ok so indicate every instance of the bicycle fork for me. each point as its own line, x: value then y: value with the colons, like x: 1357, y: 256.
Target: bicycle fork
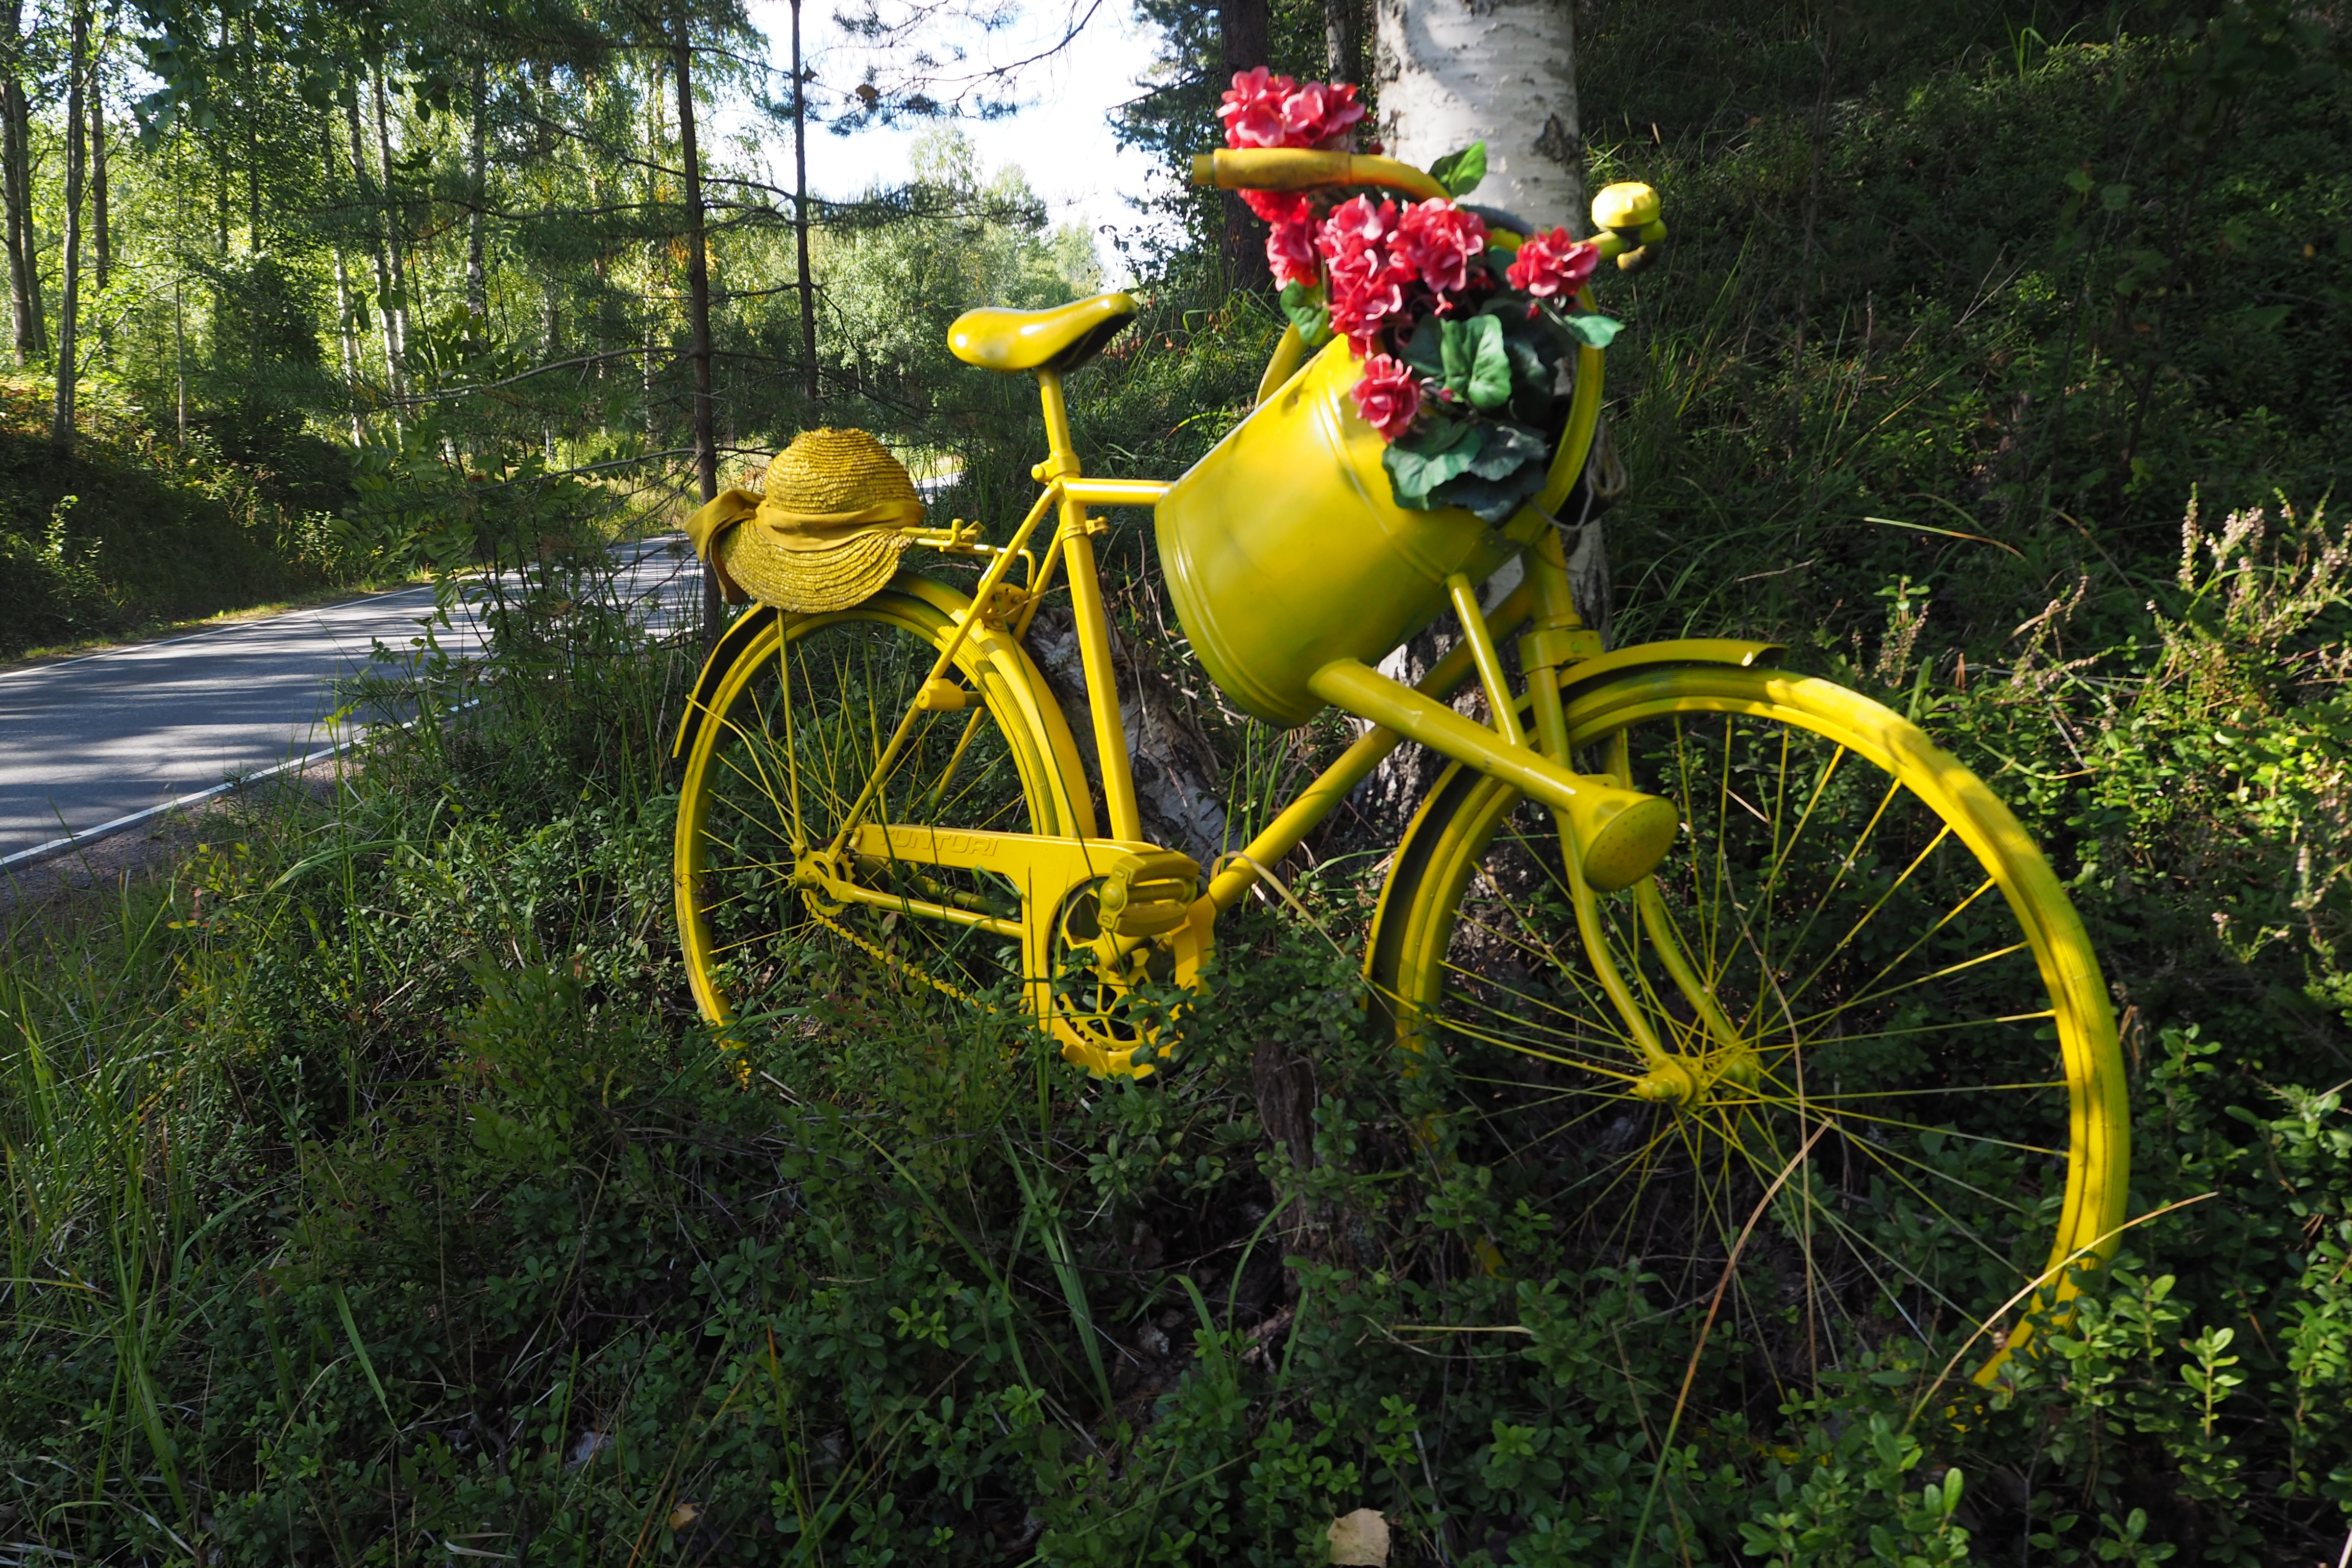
x: 1558, y: 637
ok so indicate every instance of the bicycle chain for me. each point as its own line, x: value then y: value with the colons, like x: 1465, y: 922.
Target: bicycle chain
x: 877, y: 954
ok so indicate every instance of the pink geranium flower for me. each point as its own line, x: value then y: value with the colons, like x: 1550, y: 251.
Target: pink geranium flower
x: 1251, y: 108
x: 1435, y: 240
x: 1356, y: 224
x: 1321, y: 114
x: 1280, y: 206
x: 1367, y: 293
x: 1388, y: 397
x: 1552, y: 265
x: 1290, y: 252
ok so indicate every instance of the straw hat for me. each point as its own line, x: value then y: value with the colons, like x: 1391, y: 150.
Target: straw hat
x: 828, y: 532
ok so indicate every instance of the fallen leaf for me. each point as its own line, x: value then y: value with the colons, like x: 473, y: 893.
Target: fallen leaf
x: 1361, y: 1538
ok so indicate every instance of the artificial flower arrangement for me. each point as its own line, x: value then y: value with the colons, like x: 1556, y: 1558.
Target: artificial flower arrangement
x: 1466, y: 338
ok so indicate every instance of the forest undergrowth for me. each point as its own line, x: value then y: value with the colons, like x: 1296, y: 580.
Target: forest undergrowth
x: 373, y: 1190
x: 374, y: 1194
x: 137, y: 527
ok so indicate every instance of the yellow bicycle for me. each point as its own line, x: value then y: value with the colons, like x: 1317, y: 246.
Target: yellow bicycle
x: 1738, y: 953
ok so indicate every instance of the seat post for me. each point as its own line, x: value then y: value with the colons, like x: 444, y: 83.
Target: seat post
x: 1093, y: 622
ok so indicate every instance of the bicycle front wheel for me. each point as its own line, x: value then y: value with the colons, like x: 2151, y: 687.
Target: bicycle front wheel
x: 1854, y: 1021
x: 790, y: 738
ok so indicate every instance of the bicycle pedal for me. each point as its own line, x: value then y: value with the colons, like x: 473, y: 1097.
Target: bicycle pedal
x: 1148, y: 892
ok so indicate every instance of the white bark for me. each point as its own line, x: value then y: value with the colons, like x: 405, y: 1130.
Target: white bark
x: 1452, y: 72
x: 1503, y: 72
x: 396, y: 314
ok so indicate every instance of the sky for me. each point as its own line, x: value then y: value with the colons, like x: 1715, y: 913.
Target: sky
x: 1062, y: 140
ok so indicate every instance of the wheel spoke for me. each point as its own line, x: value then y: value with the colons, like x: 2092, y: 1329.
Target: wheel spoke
x: 1884, y: 980
x: 802, y: 739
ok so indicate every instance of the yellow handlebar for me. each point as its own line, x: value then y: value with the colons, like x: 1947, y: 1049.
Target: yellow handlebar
x: 1304, y: 169
x: 1626, y: 215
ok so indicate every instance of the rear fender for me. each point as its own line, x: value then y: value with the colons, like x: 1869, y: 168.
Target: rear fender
x: 738, y: 636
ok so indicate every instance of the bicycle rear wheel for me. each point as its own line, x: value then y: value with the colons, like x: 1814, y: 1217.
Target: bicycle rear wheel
x: 790, y: 738
x: 1879, y: 974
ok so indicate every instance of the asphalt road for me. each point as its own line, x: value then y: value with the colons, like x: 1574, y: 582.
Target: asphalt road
x: 94, y: 744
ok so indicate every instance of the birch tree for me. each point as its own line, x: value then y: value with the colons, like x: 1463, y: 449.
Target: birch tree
x: 62, y: 413
x: 1503, y: 72
x: 1498, y: 71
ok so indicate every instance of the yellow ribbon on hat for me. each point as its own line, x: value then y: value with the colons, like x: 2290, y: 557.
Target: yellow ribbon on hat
x: 824, y: 530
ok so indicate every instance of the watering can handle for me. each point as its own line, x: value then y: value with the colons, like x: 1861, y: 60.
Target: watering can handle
x: 1307, y: 169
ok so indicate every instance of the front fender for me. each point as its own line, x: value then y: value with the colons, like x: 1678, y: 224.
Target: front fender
x: 1737, y: 651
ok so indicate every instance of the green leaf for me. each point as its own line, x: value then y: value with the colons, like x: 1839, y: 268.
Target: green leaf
x: 1440, y: 450
x: 1597, y: 330
x: 1490, y: 370
x: 1493, y: 501
x: 1304, y: 304
x: 1507, y: 449
x: 1511, y: 467
x: 1475, y: 366
x: 1425, y: 350
x: 1460, y: 173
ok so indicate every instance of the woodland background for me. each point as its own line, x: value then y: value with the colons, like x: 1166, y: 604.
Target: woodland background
x: 372, y: 1194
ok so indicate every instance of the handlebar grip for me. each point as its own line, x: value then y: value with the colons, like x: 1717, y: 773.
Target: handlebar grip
x: 1306, y: 169
x: 1626, y: 215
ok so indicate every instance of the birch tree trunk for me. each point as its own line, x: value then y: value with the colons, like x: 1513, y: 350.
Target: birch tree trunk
x: 1342, y: 43
x: 395, y: 305
x: 1498, y: 71
x: 252, y: 106
x: 17, y: 195
x: 800, y: 214
x: 347, y: 334
x: 364, y: 183
x: 656, y: 194
x: 61, y: 412
x: 1452, y: 72
x: 101, y: 240
x: 697, y: 319
x: 477, y: 298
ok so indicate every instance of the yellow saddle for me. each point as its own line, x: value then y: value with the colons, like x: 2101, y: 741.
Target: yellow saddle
x: 1061, y: 339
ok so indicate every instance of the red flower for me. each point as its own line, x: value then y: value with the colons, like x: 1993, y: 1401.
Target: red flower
x: 1436, y: 240
x: 1252, y: 110
x: 1354, y: 224
x: 1389, y: 396
x: 1280, y: 206
x: 1263, y: 109
x: 1367, y: 293
x: 1552, y: 264
x: 1321, y: 114
x: 1290, y: 252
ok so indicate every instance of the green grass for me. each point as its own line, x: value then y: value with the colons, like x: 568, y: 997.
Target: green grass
x: 372, y: 1189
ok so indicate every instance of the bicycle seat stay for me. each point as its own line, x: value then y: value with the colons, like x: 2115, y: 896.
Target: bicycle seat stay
x: 1060, y: 339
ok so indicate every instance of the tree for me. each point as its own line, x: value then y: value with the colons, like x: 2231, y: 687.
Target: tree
x: 62, y: 413
x: 1244, y: 36
x: 16, y: 189
x: 1503, y: 73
